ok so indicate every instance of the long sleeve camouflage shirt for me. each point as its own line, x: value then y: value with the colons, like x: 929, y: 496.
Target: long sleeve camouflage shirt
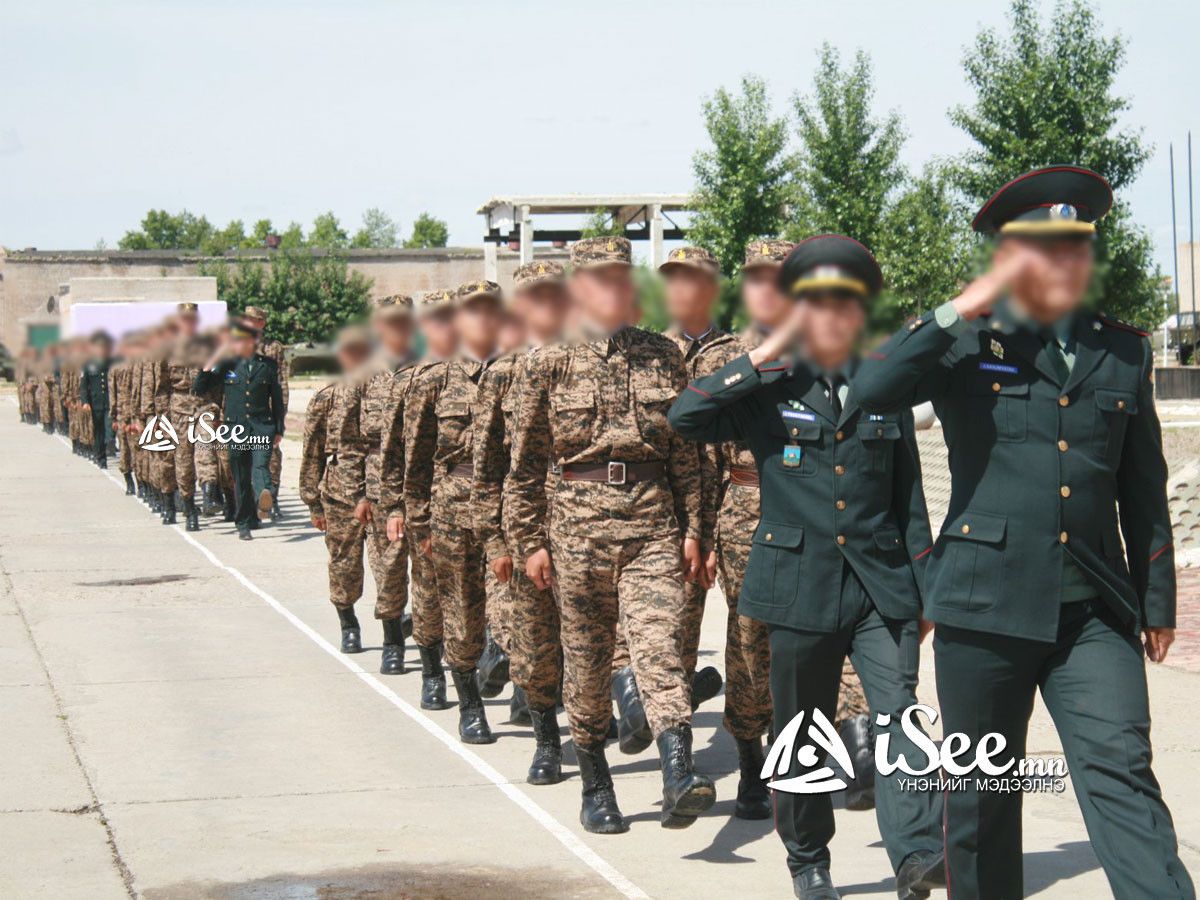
x: 361, y: 440
x: 597, y: 402
x: 275, y: 351
x: 392, y: 439
x: 321, y: 476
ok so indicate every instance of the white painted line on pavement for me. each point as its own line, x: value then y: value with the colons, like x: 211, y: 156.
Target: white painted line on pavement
x: 563, y: 834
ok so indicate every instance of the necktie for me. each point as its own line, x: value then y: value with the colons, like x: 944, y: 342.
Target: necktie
x: 832, y: 383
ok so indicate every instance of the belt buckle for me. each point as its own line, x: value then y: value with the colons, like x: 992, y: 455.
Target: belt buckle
x: 614, y: 467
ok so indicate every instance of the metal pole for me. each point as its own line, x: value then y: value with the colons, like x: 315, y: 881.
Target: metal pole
x: 1191, y: 236
x: 1175, y: 260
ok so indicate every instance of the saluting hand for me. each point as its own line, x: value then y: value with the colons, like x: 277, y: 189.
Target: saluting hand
x: 978, y: 298
x: 1158, y: 642
x: 537, y: 567
x: 782, y: 339
x: 395, y: 529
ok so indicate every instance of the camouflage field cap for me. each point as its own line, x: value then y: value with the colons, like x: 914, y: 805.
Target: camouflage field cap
x: 601, y: 251
x: 768, y: 252
x: 187, y: 309
x: 353, y: 337
x: 255, y: 312
x: 482, y: 288
x: 435, y: 301
x: 535, y: 273
x: 394, y: 306
x: 692, y: 258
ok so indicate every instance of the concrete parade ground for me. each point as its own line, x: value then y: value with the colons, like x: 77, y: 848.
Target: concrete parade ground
x: 177, y: 723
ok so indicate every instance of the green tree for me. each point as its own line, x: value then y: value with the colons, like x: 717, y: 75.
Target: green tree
x: 262, y: 230
x: 849, y: 162
x: 378, y: 230
x: 161, y: 230
x: 1045, y: 94
x: 428, y: 231
x: 328, y: 232
x: 602, y: 223
x: 292, y: 238
x: 743, y: 182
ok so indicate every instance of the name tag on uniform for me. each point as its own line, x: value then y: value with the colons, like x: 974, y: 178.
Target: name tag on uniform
x: 791, y: 455
x: 793, y: 414
x: 999, y: 367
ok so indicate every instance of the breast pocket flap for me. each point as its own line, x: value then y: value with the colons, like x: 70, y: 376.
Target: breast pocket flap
x: 773, y: 534
x: 562, y: 401
x: 878, y: 431
x: 986, y: 528
x: 1111, y: 401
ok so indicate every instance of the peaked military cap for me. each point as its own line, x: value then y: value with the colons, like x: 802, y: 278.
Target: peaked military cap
x: 482, y: 288
x: 601, y: 251
x: 767, y: 252
x: 394, y: 306
x: 187, y: 309
x: 830, y: 262
x: 692, y: 258
x: 1057, y: 201
x: 534, y: 273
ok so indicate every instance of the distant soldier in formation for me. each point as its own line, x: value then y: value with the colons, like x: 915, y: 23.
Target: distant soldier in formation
x: 540, y: 305
x: 155, y: 400
x: 120, y: 405
x: 256, y: 318
x: 93, y: 394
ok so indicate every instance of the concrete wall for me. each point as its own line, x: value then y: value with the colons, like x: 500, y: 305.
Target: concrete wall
x: 29, y: 278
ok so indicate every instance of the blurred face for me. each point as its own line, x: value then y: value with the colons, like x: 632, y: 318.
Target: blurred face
x: 1056, y: 282
x: 765, y: 304
x: 542, y: 308
x: 478, y: 322
x: 511, y: 335
x: 605, y: 295
x: 689, y: 296
x: 188, y: 325
x: 255, y: 323
x: 352, y: 356
x: 100, y: 349
x: 833, y: 322
x: 438, y: 331
x: 395, y: 333
x: 242, y: 346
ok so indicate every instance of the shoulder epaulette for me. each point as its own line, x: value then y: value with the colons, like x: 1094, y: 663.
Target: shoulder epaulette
x: 1124, y: 326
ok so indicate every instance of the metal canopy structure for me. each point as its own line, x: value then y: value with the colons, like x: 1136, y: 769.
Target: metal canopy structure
x: 644, y: 217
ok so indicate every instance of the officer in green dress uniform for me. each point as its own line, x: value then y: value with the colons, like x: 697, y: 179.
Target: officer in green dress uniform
x: 254, y: 412
x: 836, y: 565
x: 1056, y: 550
x: 93, y: 393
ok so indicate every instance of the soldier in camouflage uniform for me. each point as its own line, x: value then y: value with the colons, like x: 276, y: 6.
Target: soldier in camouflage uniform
x: 438, y: 423
x: 154, y: 402
x: 175, y: 397
x: 618, y: 527
x: 325, y: 491
x: 539, y: 302
x: 256, y: 318
x: 435, y: 319
x: 47, y: 383
x: 141, y: 456
x: 120, y: 405
x: 360, y: 461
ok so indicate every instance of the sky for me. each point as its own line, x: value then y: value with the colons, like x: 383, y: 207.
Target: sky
x: 252, y: 109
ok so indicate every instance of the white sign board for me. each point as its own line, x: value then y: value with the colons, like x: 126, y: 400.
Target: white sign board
x: 119, y: 317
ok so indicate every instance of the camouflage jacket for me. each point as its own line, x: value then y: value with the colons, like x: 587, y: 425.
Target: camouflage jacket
x: 178, y: 368
x: 120, y: 391
x: 153, y: 372
x: 736, y: 507
x: 438, y: 437
x: 597, y: 402
x: 361, y: 439
x: 321, y: 479
x: 275, y: 351
x: 392, y: 439
x: 495, y: 424
x: 710, y: 485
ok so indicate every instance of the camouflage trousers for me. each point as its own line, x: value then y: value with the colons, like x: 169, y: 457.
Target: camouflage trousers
x: 747, y: 651
x: 180, y: 473
x: 276, y: 467
x: 428, y: 625
x: 689, y: 635
x: 389, y: 567
x: 345, y: 539
x: 466, y: 587
x: 126, y: 445
x: 212, y: 466
x: 638, y: 582
x: 535, y: 641
x: 45, y: 404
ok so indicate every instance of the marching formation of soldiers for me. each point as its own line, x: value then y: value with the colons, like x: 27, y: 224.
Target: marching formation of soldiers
x: 557, y: 490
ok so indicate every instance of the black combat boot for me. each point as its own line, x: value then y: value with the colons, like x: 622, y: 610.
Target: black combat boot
x: 518, y: 707
x: 633, y: 731
x: 406, y: 625
x: 814, y: 884
x: 351, y: 633
x: 393, y: 648
x: 753, y: 798
x: 244, y: 534
x: 168, y: 513
x: 706, y: 684
x: 685, y: 794
x: 600, y: 814
x: 856, y: 735
x: 433, y: 679
x: 472, y: 720
x: 191, y: 515
x: 546, y: 767
x: 230, y: 507
x: 211, y: 495
x: 920, y: 873
x: 493, y: 670
x: 130, y: 489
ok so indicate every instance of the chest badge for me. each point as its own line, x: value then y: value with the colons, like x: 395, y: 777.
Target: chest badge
x: 795, y: 404
x: 792, y: 455
x: 997, y: 349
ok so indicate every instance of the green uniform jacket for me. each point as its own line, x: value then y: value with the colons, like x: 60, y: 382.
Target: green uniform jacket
x: 253, y: 396
x: 93, y: 385
x: 855, y: 495
x: 1041, y: 468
